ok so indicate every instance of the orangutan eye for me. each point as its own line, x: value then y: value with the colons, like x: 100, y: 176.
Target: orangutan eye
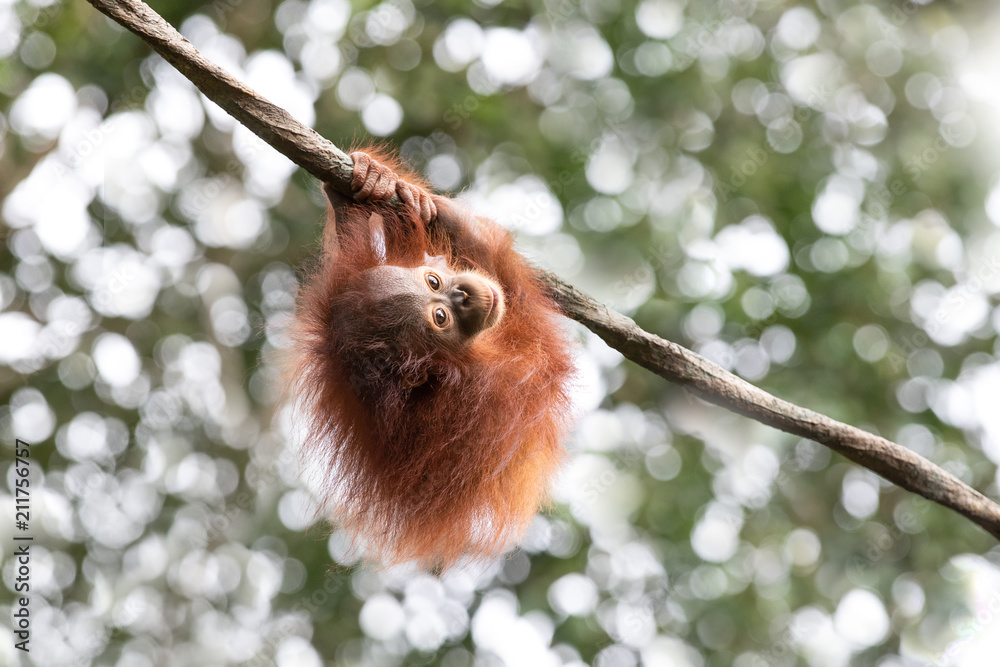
x: 434, y: 282
x: 440, y: 317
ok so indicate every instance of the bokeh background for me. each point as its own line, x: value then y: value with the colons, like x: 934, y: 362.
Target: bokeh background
x: 806, y: 194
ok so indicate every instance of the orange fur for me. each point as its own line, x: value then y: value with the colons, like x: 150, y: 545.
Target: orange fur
x: 457, y: 466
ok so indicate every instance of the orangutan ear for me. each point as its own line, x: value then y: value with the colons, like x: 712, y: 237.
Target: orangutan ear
x: 343, y: 212
x: 414, y: 379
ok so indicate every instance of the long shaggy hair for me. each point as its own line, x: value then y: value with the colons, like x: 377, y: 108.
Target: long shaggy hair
x: 430, y: 454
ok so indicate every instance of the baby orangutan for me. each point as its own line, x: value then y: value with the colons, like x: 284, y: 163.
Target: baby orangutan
x: 433, y: 371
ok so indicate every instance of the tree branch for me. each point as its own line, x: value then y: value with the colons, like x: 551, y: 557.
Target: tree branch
x: 306, y: 148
